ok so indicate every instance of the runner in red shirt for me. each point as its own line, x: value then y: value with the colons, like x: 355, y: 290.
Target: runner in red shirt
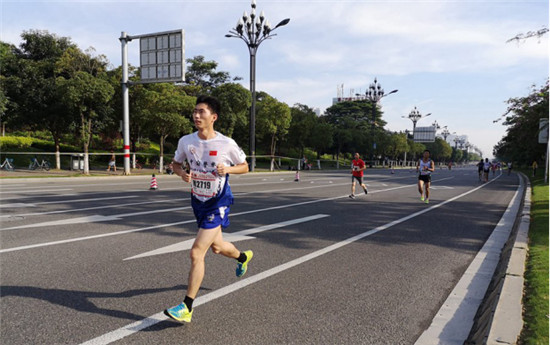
x: 357, y: 167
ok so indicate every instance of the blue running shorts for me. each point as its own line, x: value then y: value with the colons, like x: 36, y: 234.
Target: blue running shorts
x: 212, y: 218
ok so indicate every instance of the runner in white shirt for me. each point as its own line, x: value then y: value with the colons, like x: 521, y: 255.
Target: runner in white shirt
x: 425, y: 166
x: 209, y: 158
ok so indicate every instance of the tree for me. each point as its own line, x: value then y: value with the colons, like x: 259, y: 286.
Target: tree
x: 235, y: 101
x: 168, y: 112
x: 273, y: 120
x: 201, y: 76
x: 88, y: 97
x: 440, y: 150
x: 354, y: 126
x: 520, y: 144
x: 29, y: 82
x: 396, y: 145
x: 301, y: 127
x: 321, y: 137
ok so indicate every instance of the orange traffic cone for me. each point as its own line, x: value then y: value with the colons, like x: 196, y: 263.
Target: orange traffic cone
x: 154, y: 185
x: 297, y: 177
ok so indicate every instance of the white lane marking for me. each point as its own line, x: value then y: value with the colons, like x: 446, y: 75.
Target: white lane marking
x: 441, y: 187
x: 230, y: 237
x: 137, y: 326
x: 285, y: 189
x: 454, y: 320
x: 123, y: 232
x: 100, y: 184
x: 94, y: 218
x: 34, y: 197
x: 16, y: 205
x: 84, y: 209
x: 83, y: 200
x: 36, y: 191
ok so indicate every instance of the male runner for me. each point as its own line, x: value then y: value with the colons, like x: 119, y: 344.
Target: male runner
x: 480, y: 169
x: 425, y: 166
x: 486, y: 169
x: 357, y: 167
x: 210, y: 157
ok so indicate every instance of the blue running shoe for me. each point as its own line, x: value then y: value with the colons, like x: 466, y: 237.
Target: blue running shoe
x: 179, y: 313
x: 242, y: 267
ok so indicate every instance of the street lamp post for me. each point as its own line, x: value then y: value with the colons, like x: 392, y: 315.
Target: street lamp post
x: 415, y: 116
x: 374, y: 94
x: 445, y: 133
x: 253, y: 30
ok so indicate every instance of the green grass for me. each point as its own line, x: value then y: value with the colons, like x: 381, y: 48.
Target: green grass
x: 535, y: 331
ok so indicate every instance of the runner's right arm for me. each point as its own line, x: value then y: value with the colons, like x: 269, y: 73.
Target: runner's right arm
x: 178, y: 170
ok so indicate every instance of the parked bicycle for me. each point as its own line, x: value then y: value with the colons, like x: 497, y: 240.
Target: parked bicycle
x: 8, y: 164
x: 44, y: 165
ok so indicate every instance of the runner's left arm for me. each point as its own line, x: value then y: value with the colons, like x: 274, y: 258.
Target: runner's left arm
x: 235, y: 170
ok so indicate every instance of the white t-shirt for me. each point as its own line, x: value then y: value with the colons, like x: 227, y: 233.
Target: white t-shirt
x: 203, y: 157
x: 426, y: 165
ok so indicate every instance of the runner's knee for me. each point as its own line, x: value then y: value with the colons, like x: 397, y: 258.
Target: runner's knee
x: 196, y: 254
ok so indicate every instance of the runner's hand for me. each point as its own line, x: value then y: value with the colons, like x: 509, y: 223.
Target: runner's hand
x: 178, y: 170
x: 222, y: 169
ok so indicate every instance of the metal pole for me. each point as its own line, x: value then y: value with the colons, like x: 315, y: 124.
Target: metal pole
x: 546, y: 168
x: 125, y: 103
x: 373, y: 134
x: 253, y: 108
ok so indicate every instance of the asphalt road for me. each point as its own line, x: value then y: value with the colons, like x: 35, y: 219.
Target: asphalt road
x: 83, y: 258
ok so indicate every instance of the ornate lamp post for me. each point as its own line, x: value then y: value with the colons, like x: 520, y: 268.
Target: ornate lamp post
x: 445, y: 133
x: 415, y: 116
x: 253, y: 30
x: 374, y: 94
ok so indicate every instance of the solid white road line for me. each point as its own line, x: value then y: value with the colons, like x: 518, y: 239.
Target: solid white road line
x: 67, y: 201
x: 36, y: 191
x: 230, y: 237
x: 84, y: 209
x: 94, y: 218
x: 159, y: 317
x: 191, y: 221
x: 454, y: 320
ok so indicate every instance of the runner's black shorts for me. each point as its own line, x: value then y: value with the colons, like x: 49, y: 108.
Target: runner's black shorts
x: 425, y: 178
x: 358, y: 178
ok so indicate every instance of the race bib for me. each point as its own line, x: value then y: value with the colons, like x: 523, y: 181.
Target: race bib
x: 204, y: 184
x: 425, y: 172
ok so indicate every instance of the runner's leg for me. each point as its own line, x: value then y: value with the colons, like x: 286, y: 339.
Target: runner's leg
x: 421, y: 187
x: 205, y: 238
x: 427, y: 186
x: 219, y: 246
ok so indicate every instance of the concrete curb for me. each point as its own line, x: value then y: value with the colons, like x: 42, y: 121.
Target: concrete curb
x: 508, y: 317
x: 456, y: 317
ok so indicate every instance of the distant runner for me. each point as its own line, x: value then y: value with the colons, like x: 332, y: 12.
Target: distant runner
x: 486, y: 169
x: 210, y: 157
x: 425, y: 166
x: 480, y: 169
x: 357, y: 167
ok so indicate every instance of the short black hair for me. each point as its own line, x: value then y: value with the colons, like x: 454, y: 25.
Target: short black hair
x: 427, y: 151
x: 211, y: 102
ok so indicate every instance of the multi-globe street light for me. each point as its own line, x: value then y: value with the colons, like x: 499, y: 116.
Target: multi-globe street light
x: 374, y: 94
x: 415, y: 116
x: 445, y: 133
x: 253, y: 30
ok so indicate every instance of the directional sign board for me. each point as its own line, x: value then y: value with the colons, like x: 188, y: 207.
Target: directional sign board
x: 162, y: 57
x: 424, y: 134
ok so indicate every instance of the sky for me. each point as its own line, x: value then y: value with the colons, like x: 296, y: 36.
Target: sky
x: 447, y: 58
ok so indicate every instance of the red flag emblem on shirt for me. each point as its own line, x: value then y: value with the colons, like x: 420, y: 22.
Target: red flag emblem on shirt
x: 213, y: 153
